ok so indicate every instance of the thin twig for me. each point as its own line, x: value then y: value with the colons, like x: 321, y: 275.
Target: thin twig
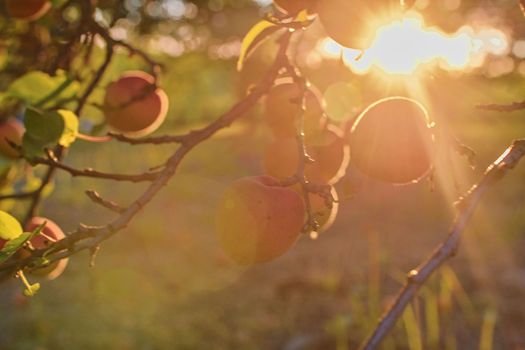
x: 88, y: 172
x: 155, y: 140
x: 96, y: 198
x: 515, y: 106
x: 466, y: 206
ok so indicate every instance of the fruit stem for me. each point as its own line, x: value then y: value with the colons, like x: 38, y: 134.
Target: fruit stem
x: 91, y: 138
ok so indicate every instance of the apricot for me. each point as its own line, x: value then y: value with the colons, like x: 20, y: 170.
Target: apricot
x: 11, y: 130
x: 295, y: 6
x: 392, y: 141
x: 328, y: 149
x: 282, y: 109
x: 41, y: 241
x: 353, y: 23
x: 134, y: 105
x: 27, y: 10
x: 258, y: 220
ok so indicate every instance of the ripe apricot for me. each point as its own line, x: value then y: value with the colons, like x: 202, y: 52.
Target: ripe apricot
x: 50, y: 231
x: 258, y: 220
x: 134, y: 105
x: 328, y: 149
x: 283, y: 106
x: 353, y: 23
x: 294, y: 6
x: 28, y: 10
x: 11, y: 130
x: 392, y: 141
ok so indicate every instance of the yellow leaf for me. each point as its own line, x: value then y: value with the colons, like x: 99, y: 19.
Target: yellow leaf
x: 250, y: 40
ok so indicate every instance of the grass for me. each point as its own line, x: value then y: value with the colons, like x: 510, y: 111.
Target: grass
x: 164, y: 283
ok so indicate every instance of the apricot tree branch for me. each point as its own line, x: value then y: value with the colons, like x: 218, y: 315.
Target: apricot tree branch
x: 88, y: 172
x: 96, y: 198
x: 86, y: 238
x: 447, y: 249
x: 515, y: 106
x: 154, y: 140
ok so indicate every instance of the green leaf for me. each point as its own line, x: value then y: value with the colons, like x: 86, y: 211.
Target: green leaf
x: 38, y: 88
x: 31, y: 147
x: 48, y: 129
x: 12, y: 246
x: 253, y: 38
x: 10, y: 228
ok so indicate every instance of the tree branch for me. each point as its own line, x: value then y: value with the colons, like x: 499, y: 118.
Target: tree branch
x: 515, y: 106
x: 466, y: 206
x: 86, y: 238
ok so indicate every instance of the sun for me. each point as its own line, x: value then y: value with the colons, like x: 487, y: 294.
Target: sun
x: 407, y: 46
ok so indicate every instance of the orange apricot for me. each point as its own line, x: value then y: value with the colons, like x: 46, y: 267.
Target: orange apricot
x: 134, y: 105
x: 392, y: 141
x: 353, y: 23
x: 258, y: 220
x: 295, y: 6
x: 11, y: 130
x: 328, y: 149
x: 283, y: 106
x: 27, y: 10
x: 51, y: 232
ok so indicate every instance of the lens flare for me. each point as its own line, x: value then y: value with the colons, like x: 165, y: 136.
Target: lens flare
x: 405, y: 46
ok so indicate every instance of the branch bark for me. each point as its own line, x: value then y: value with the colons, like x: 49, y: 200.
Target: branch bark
x: 447, y: 249
x: 86, y: 238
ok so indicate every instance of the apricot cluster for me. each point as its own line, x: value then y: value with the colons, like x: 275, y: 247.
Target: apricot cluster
x: 325, y: 143
x: 134, y: 105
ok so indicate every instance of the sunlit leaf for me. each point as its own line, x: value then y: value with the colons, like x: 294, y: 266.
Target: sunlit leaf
x: 254, y: 37
x: 70, y: 131
x: 10, y: 228
x: 38, y: 88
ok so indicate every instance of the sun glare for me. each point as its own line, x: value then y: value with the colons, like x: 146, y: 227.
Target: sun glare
x: 405, y: 46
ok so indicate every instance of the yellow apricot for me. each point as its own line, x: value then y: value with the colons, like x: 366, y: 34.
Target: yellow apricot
x: 258, y: 220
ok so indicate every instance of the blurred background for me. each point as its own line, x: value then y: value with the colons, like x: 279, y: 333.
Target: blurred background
x: 164, y: 282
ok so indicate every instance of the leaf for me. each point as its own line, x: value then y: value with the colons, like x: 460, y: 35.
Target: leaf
x: 38, y: 88
x: 10, y: 228
x: 47, y: 129
x: 70, y: 131
x: 253, y: 38
x: 12, y: 246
